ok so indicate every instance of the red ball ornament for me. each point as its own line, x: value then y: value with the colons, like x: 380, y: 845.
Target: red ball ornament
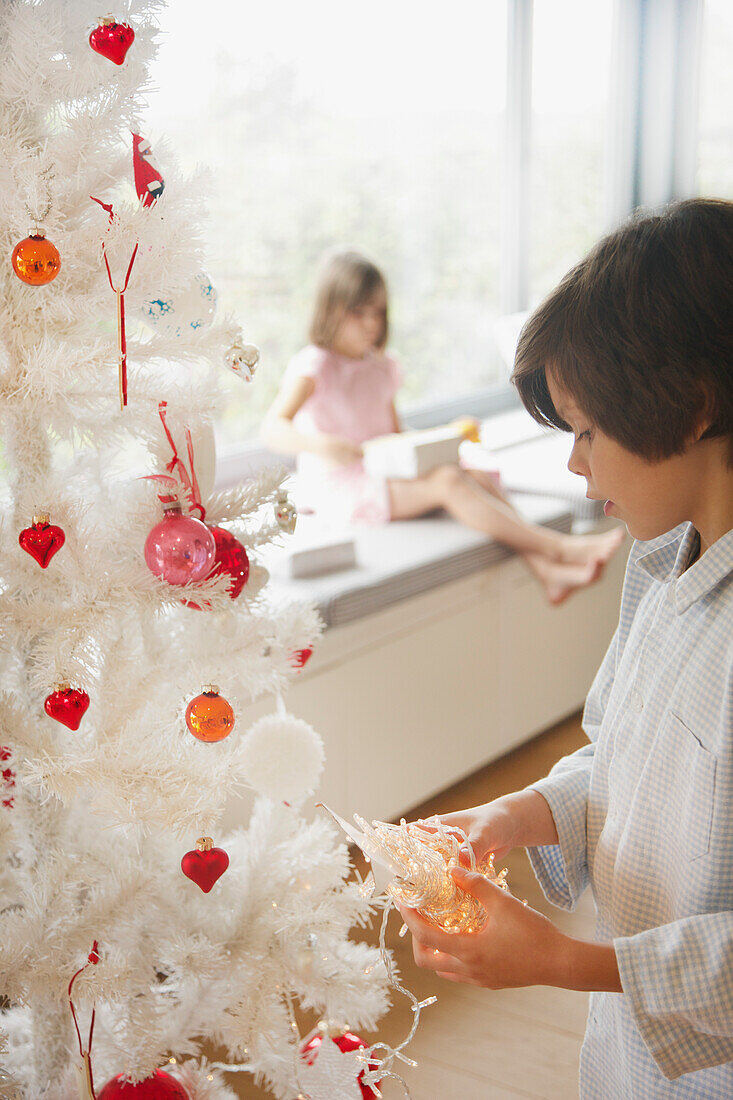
x: 180, y: 549
x: 299, y: 657
x: 205, y: 865
x: 67, y: 705
x: 112, y: 39
x: 209, y: 717
x: 42, y: 540
x: 35, y: 260
x: 231, y: 558
x: 347, y: 1042
x: 161, y: 1086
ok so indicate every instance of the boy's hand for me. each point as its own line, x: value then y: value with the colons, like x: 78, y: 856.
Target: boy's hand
x: 489, y: 828
x: 339, y: 451
x: 515, y: 820
x: 517, y: 946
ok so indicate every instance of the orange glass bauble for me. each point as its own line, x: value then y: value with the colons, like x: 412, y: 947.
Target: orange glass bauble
x: 35, y: 260
x: 209, y: 717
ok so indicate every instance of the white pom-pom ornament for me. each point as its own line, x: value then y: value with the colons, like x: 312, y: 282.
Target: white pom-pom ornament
x: 282, y: 757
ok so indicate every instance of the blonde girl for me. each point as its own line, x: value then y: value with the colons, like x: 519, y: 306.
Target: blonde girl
x: 339, y: 391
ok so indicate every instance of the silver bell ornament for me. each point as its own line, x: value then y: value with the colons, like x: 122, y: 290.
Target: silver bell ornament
x: 286, y: 513
x: 243, y: 360
x: 307, y: 956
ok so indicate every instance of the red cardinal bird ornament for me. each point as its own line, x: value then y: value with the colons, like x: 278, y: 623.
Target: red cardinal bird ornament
x: 149, y: 183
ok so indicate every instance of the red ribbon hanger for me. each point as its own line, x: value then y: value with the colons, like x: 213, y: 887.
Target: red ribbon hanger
x: 120, y: 292
x: 92, y: 959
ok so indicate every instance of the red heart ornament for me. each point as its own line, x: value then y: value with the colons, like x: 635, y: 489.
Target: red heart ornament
x: 67, y: 705
x: 206, y: 864
x: 112, y: 40
x: 299, y: 656
x: 42, y: 540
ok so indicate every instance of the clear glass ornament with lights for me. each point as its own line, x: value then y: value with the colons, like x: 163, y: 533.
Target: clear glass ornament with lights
x: 418, y: 858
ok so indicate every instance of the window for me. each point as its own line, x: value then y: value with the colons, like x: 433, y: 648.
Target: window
x: 378, y: 127
x: 715, y: 142
x: 475, y: 153
x: 571, y: 82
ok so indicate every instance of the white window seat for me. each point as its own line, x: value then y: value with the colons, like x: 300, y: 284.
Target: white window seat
x: 401, y: 560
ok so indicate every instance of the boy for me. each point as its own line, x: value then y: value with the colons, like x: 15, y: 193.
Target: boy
x: 633, y: 353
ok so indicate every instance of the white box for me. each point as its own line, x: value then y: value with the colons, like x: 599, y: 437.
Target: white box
x: 411, y: 454
x: 312, y: 550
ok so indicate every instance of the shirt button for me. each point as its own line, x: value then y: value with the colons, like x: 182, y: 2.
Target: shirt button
x: 636, y: 701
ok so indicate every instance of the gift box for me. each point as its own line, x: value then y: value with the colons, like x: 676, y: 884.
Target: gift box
x: 412, y: 454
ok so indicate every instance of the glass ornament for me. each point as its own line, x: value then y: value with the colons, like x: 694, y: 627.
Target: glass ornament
x: 243, y: 360
x: 286, y: 513
x: 161, y: 1086
x: 9, y: 1087
x: 67, y: 705
x: 41, y: 540
x: 231, y: 558
x: 210, y: 717
x: 299, y: 657
x: 35, y: 260
x: 112, y: 39
x: 205, y: 864
x: 180, y: 549
x: 191, y: 309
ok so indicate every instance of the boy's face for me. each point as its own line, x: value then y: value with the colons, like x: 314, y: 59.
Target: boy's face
x: 650, y: 497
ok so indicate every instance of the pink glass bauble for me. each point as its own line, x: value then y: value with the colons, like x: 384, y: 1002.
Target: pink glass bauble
x: 158, y: 1087
x: 180, y: 549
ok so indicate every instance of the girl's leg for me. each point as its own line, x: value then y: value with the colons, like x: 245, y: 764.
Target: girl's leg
x: 570, y: 549
x: 461, y: 495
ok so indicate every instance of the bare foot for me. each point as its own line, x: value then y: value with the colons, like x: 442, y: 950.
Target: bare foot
x: 583, y: 549
x: 560, y: 579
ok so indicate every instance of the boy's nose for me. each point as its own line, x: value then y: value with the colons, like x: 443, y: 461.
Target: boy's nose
x: 575, y: 465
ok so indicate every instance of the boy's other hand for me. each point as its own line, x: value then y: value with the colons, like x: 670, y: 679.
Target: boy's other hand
x: 512, y: 821
x: 339, y: 451
x: 488, y: 828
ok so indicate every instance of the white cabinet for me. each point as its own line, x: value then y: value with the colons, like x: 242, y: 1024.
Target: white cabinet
x: 416, y: 696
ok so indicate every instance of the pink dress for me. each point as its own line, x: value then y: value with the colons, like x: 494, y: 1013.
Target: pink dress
x: 351, y: 398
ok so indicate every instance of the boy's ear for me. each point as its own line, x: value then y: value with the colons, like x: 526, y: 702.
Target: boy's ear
x: 705, y: 416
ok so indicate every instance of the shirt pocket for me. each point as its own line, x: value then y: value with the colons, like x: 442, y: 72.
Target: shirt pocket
x: 687, y: 814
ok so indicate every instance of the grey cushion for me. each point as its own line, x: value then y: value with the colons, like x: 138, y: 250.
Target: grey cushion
x: 403, y: 559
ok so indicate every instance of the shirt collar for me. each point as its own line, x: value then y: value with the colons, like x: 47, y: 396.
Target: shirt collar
x: 668, y: 557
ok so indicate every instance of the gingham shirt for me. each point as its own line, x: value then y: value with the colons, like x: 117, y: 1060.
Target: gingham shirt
x: 644, y: 814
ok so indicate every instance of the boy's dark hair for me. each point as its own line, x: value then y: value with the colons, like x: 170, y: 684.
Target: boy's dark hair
x: 640, y: 332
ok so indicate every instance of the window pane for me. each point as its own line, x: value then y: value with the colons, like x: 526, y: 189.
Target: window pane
x: 325, y: 124
x: 571, y: 83
x: 715, y: 149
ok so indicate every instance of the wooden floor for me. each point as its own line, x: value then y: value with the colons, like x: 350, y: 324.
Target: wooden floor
x: 478, y: 1044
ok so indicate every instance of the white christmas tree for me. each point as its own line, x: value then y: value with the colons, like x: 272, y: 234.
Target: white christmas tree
x: 115, y: 677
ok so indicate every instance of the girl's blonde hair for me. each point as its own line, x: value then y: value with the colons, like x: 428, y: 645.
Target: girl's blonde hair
x: 347, y: 281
